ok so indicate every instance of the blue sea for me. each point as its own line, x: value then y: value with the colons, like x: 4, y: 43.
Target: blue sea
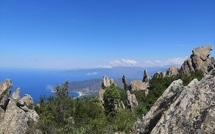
x: 40, y: 82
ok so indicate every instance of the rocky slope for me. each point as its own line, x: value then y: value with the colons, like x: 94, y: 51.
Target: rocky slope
x: 182, y: 109
x: 15, y: 113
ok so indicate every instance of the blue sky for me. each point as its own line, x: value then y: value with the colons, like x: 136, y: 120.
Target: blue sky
x: 66, y: 34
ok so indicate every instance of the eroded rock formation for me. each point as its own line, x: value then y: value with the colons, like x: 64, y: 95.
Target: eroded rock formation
x: 199, y: 60
x: 18, y: 111
x: 182, y: 109
x: 131, y: 100
x: 172, y: 71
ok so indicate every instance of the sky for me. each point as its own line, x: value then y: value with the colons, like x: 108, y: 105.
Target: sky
x: 71, y: 34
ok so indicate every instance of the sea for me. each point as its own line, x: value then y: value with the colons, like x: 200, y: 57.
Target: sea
x: 38, y: 83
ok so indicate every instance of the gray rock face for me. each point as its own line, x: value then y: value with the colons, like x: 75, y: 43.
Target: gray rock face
x: 193, y: 111
x: 14, y: 119
x: 5, y: 90
x: 182, y: 109
x: 131, y: 100
x: 156, y: 111
x: 172, y: 71
x: 199, y: 60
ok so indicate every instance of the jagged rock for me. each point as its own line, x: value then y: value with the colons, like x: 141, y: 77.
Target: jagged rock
x: 15, y: 120
x: 146, y: 76
x: 161, y: 105
x: 16, y: 94
x: 27, y: 100
x: 105, y: 82
x: 131, y: 100
x: 172, y: 71
x: 15, y: 117
x: 124, y: 82
x: 199, y: 60
x: 5, y: 90
x: 202, y: 52
x: 193, y: 111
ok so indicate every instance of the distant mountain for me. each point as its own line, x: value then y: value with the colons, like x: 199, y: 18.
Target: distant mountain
x: 115, y: 72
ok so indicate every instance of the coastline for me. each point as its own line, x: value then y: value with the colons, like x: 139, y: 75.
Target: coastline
x: 80, y: 93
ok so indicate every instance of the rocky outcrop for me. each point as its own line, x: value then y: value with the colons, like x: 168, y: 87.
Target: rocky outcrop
x: 5, y: 90
x: 18, y: 113
x: 193, y: 111
x: 161, y: 105
x: 138, y: 85
x: 105, y: 82
x: 172, y: 71
x: 146, y: 76
x: 199, y: 60
x: 131, y: 100
x: 124, y: 82
x: 182, y: 109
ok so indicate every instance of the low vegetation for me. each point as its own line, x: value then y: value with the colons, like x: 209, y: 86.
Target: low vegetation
x: 62, y: 114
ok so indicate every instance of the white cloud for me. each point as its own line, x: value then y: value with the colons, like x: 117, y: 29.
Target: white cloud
x: 168, y: 62
x: 124, y: 62
x: 92, y: 73
x: 148, y: 63
x: 104, y: 66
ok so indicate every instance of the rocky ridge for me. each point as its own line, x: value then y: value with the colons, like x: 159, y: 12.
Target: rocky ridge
x: 184, y: 109
x: 15, y: 112
x: 199, y: 60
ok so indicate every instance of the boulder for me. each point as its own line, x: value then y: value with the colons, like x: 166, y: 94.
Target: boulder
x: 202, y: 52
x: 27, y: 100
x: 172, y: 71
x: 199, y: 60
x: 5, y: 90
